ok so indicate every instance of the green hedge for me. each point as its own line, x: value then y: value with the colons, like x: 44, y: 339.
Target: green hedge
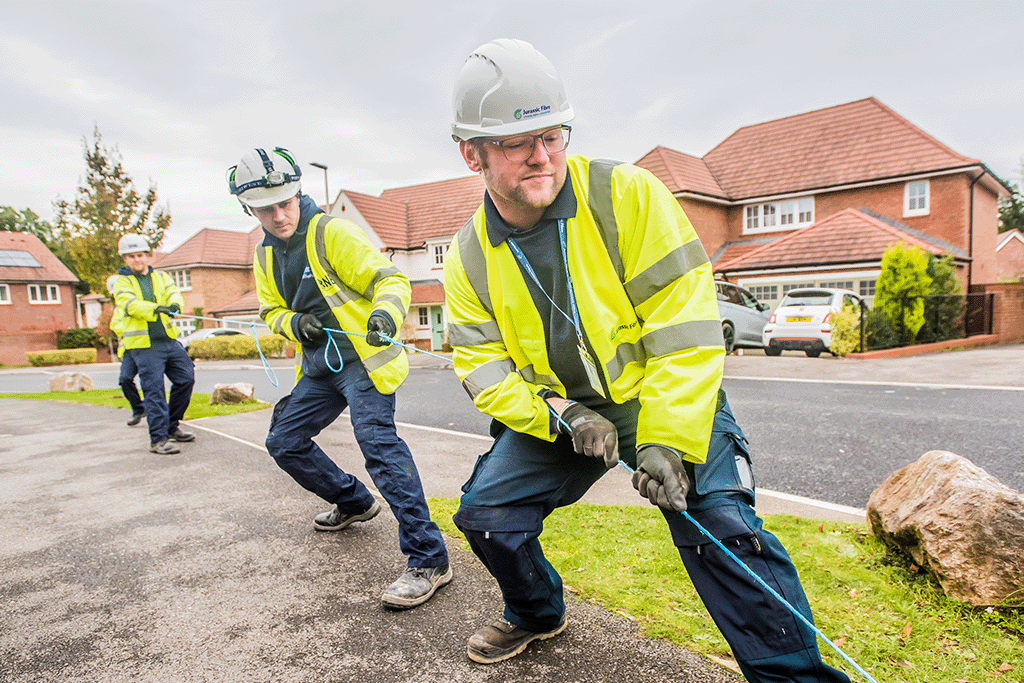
x: 237, y: 347
x: 62, y: 357
x: 80, y: 338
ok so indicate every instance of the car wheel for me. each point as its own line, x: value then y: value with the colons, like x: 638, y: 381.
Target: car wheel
x: 772, y: 351
x: 729, y: 333
x: 813, y: 353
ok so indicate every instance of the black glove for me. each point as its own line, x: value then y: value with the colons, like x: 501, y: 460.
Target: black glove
x: 661, y: 478
x: 166, y: 310
x: 591, y: 434
x: 175, y: 309
x: 379, y: 324
x: 311, y: 331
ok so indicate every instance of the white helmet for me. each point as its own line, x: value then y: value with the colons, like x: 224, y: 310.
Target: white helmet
x: 507, y: 87
x: 262, y: 179
x: 131, y: 243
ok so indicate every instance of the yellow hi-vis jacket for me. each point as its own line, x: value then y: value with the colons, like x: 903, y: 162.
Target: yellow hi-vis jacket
x: 138, y: 312
x: 647, y: 305
x: 356, y: 280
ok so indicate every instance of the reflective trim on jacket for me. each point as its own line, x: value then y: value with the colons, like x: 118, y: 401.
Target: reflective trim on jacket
x: 646, y: 300
x: 355, y: 279
x: 138, y: 312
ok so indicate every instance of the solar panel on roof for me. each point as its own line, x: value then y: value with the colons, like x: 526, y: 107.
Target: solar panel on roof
x: 13, y: 257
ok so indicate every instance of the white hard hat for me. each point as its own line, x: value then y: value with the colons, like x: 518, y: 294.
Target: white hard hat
x: 507, y: 87
x: 131, y: 244
x: 261, y: 178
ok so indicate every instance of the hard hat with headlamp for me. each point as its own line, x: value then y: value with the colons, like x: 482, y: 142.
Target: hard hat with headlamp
x: 132, y: 244
x: 263, y: 178
x: 507, y: 87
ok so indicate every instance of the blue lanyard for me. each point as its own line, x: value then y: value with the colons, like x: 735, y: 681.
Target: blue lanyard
x: 521, y: 257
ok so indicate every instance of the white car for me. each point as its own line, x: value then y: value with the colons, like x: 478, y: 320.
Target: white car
x: 206, y: 333
x: 803, y: 320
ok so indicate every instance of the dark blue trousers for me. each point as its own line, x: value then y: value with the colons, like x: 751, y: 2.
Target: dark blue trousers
x: 127, y: 382
x: 316, y: 403
x: 522, y: 479
x: 164, y: 357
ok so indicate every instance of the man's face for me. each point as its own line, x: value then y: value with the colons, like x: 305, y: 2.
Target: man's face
x: 521, y: 190
x: 137, y: 261
x: 281, y: 219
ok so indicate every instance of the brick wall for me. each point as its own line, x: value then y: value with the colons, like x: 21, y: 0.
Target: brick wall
x: 710, y: 221
x: 1008, y: 313
x: 33, y: 327
x: 1010, y: 260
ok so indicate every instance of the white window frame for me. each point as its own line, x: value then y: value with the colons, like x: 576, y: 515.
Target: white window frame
x: 5, y: 295
x: 182, y: 279
x: 51, y: 292
x: 785, y: 214
x: 423, y: 316
x: 439, y: 252
x: 917, y: 200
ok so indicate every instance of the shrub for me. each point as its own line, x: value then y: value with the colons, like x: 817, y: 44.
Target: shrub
x: 878, y: 332
x: 237, y: 347
x: 80, y: 338
x: 900, y: 289
x: 61, y: 357
x: 845, y: 331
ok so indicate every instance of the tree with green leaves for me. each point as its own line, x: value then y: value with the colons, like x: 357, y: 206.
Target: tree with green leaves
x: 902, y: 285
x: 1011, y: 209
x: 26, y: 220
x: 106, y: 206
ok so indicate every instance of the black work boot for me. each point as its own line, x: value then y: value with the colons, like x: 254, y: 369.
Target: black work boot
x: 503, y: 640
x: 415, y: 586
x: 336, y: 520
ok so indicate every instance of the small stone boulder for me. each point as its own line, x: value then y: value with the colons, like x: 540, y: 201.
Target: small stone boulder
x: 71, y: 381
x: 238, y: 392
x: 956, y: 521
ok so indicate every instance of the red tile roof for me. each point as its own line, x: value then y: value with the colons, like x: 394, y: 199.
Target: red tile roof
x: 438, y: 209
x: 681, y: 172
x: 50, y: 267
x: 427, y: 292
x: 247, y: 303
x: 847, y: 143
x: 213, y: 247
x: 387, y: 218
x: 850, y: 236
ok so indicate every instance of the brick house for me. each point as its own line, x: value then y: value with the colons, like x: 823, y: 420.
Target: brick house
x: 37, y: 297
x: 1010, y: 257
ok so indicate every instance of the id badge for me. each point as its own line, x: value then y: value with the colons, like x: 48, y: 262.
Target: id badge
x: 591, y: 368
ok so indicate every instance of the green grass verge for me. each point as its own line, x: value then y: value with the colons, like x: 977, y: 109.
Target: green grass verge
x: 892, y: 620
x: 113, y: 398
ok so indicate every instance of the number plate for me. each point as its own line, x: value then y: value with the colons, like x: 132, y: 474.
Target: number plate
x: 798, y: 319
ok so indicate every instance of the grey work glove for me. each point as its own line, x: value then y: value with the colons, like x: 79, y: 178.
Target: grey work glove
x: 311, y: 331
x: 166, y: 310
x: 661, y: 478
x: 378, y: 325
x: 591, y: 434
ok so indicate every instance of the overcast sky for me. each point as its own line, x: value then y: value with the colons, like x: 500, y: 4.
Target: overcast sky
x: 183, y: 89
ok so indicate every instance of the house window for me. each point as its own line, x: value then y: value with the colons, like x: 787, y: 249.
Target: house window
x: 424, y: 316
x: 182, y: 278
x: 784, y: 215
x: 5, y: 294
x: 765, y: 292
x: 867, y: 287
x: 845, y: 284
x: 915, y: 198
x: 43, y: 294
x: 439, y: 251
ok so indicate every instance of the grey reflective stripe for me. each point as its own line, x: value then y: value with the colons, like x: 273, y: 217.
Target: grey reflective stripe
x: 261, y: 257
x: 666, y: 271
x: 382, y: 358
x: 344, y: 294
x: 599, y: 199
x: 137, y: 333
x: 474, y: 265
x: 624, y: 354
x: 393, y: 300
x: 471, y: 335
x: 341, y: 297
x: 683, y: 336
x: 487, y: 375
x: 377, y: 277
x: 532, y: 377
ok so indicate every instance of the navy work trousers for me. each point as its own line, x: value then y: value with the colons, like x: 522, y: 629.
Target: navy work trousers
x: 316, y: 403
x: 164, y: 357
x: 523, y: 479
x: 127, y: 382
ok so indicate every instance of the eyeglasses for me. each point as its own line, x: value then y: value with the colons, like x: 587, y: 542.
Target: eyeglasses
x: 520, y: 147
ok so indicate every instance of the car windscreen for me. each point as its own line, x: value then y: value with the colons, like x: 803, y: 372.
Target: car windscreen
x: 808, y: 298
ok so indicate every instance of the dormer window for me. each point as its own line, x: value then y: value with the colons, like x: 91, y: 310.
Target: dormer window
x: 785, y: 215
x: 915, y: 198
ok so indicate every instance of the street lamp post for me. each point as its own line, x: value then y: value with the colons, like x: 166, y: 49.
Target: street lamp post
x: 327, y: 194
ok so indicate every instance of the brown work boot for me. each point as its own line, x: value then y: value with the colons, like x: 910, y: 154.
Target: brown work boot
x: 503, y: 640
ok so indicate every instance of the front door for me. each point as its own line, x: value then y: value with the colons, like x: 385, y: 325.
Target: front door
x: 436, y: 328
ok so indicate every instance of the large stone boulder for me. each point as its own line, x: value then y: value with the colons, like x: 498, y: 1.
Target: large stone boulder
x: 238, y: 392
x: 71, y: 381
x: 957, y: 522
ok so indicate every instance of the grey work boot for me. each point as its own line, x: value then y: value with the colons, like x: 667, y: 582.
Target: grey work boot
x: 163, y: 448
x: 503, y: 640
x: 136, y: 418
x: 415, y: 586
x: 336, y: 520
x: 179, y: 435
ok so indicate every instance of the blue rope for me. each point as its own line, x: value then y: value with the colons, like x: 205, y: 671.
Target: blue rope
x: 388, y: 339
x: 771, y: 591
x: 267, y: 370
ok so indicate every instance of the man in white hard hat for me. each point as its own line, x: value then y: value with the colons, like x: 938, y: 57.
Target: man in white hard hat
x: 584, y: 321
x: 148, y: 299
x: 126, y: 378
x: 315, y: 272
